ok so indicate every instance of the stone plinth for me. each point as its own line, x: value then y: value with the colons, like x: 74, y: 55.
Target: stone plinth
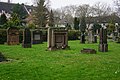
x: 57, y: 38
x: 88, y: 51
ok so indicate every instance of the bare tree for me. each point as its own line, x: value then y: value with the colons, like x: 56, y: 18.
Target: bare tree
x: 82, y: 10
x: 65, y: 14
x: 71, y: 10
x: 101, y: 9
x: 117, y: 3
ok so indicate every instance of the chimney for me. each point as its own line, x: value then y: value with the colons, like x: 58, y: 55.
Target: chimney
x: 8, y: 1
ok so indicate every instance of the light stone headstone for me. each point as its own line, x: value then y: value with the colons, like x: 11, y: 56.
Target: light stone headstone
x: 13, y: 36
x: 57, y: 38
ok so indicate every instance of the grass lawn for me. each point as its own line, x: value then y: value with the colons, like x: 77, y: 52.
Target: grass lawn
x: 38, y: 64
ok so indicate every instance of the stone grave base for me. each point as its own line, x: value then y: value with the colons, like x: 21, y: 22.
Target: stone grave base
x: 13, y: 43
x: 103, y: 47
x: 88, y: 51
x: 26, y: 45
x: 37, y: 42
x: 58, y: 48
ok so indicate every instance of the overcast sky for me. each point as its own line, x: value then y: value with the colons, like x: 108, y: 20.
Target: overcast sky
x: 61, y: 3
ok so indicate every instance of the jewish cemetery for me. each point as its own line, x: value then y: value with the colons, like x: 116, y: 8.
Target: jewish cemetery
x: 52, y: 40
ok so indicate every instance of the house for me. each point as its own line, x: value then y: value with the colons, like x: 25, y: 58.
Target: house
x: 103, y: 20
x: 6, y: 7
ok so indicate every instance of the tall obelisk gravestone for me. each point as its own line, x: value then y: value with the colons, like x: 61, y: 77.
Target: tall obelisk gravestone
x: 103, y: 46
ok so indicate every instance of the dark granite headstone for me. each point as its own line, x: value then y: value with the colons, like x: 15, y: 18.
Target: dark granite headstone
x: 103, y: 46
x: 27, y: 38
x: 12, y: 36
x: 37, y: 37
x: 95, y: 38
x: 82, y: 38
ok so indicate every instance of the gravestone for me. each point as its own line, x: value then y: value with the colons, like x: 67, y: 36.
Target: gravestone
x: 95, y: 38
x: 26, y: 38
x: 37, y: 37
x: 57, y: 38
x: 92, y: 38
x: 118, y: 36
x: 103, y: 46
x: 114, y: 36
x: 82, y: 38
x: 12, y: 36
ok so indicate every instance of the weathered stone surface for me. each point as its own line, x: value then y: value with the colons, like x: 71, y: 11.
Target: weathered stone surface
x: 12, y: 36
x: 103, y: 46
x: 88, y: 51
x: 92, y: 38
x: 57, y: 38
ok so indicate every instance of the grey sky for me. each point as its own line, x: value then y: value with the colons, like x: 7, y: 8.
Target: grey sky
x: 61, y: 3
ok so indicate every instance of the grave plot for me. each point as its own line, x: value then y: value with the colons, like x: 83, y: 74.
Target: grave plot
x: 88, y: 51
x: 57, y: 38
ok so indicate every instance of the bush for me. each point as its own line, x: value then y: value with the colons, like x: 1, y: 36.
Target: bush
x: 20, y: 36
x: 31, y: 25
x: 73, y: 35
x: 3, y: 36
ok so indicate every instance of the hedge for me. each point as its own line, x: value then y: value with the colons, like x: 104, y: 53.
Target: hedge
x: 3, y: 36
x: 72, y: 35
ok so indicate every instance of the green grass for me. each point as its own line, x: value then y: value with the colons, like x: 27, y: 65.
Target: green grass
x: 38, y: 64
